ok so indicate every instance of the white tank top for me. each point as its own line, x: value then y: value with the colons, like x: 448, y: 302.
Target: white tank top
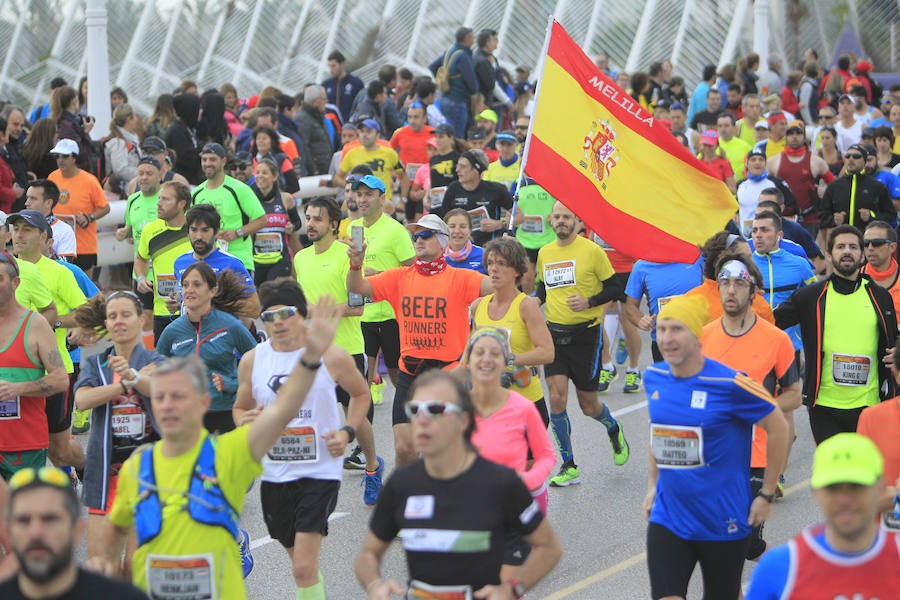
x: 300, y: 451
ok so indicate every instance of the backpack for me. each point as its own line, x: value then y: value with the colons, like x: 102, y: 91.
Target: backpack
x: 442, y: 77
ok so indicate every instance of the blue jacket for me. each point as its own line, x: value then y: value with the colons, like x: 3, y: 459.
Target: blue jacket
x: 463, y: 82
x: 95, y: 372
x: 221, y: 340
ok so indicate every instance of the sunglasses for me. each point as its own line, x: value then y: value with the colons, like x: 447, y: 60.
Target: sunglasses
x: 125, y: 293
x: 853, y: 156
x: 431, y: 408
x: 6, y: 257
x: 283, y: 314
x: 423, y: 235
x: 877, y: 242
x: 522, y: 127
x: 821, y: 117
x: 48, y: 475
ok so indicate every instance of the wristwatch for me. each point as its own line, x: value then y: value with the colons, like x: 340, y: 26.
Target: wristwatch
x: 770, y: 498
x: 518, y: 588
x: 351, y: 432
x: 239, y: 232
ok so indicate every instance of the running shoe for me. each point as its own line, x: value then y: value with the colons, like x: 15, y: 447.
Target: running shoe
x: 356, y: 461
x: 372, y: 484
x: 632, y: 382
x: 621, y: 351
x: 246, y: 557
x: 81, y: 421
x: 606, y: 378
x: 779, y: 489
x: 619, y: 446
x: 376, y: 388
x: 568, y: 475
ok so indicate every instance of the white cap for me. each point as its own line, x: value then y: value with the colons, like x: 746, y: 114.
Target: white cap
x: 66, y: 147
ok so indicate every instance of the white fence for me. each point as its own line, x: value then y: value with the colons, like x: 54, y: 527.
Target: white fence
x: 153, y: 45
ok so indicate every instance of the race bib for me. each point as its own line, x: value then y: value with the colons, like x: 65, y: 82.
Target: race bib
x: 180, y: 577
x: 676, y: 446
x: 420, y: 589
x: 532, y: 224
x: 559, y: 274
x: 10, y: 409
x: 477, y: 215
x: 296, y: 444
x: 850, y: 369
x: 412, y: 169
x: 270, y: 241
x: 436, y: 196
x: 660, y: 302
x: 166, y: 285
x: 128, y: 421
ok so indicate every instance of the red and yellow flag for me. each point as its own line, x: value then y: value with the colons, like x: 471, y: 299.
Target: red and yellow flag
x: 597, y: 151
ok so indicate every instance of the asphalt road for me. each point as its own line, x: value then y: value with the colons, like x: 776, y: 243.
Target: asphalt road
x: 598, y: 522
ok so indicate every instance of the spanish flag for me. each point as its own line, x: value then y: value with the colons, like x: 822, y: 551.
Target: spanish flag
x: 624, y: 174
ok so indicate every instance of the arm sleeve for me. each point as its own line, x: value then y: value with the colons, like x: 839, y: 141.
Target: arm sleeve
x: 521, y: 512
x: 770, y: 576
x: 786, y: 313
x: 826, y: 211
x: 611, y: 290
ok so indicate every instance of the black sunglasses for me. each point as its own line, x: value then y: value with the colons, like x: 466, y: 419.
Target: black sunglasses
x: 423, y: 235
x: 853, y: 156
x: 877, y: 242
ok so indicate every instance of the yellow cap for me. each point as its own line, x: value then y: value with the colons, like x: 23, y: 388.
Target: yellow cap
x: 691, y: 310
x: 846, y: 458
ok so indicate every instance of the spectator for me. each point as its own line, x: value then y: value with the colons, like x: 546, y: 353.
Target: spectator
x: 163, y: 115
x: 36, y: 150
x: 122, y: 149
x: 70, y: 125
x: 342, y: 87
x: 312, y: 130
x: 182, y: 137
x: 457, y: 60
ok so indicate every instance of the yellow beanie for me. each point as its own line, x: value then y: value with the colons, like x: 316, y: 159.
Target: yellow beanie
x: 691, y: 310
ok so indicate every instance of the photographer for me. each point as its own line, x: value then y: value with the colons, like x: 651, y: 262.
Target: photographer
x: 70, y: 125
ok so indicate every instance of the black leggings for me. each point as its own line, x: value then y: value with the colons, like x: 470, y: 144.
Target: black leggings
x: 671, y: 561
x: 826, y: 422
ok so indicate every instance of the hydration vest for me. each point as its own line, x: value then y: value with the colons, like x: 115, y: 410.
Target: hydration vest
x: 206, y: 502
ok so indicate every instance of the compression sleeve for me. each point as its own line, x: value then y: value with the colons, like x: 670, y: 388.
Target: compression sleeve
x: 294, y: 216
x: 540, y: 290
x: 612, y: 289
x: 770, y: 575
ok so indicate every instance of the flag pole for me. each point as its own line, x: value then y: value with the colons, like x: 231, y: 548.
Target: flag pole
x: 521, y: 178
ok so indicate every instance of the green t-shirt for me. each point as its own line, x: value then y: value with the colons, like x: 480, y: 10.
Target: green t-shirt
x: 68, y: 296
x: 237, y: 205
x: 736, y: 151
x: 161, y: 245
x: 536, y: 205
x: 326, y: 273
x: 32, y: 292
x: 388, y: 245
x: 139, y: 211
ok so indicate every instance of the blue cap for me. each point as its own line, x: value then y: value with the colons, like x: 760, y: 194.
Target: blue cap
x: 371, y: 124
x: 507, y: 136
x: 371, y: 182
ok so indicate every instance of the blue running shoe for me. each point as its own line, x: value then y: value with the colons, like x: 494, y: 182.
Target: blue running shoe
x: 621, y: 351
x: 372, y: 484
x: 246, y: 557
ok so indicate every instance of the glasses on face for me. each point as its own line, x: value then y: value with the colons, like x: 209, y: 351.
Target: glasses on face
x: 284, y: 313
x: 431, y: 408
x: 8, y: 258
x: 853, y: 156
x: 49, y: 475
x: 423, y: 235
x: 824, y: 117
x: 417, y: 105
x: 876, y: 242
x: 737, y: 283
x: 522, y: 127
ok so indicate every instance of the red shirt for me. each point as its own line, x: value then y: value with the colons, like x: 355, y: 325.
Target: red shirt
x: 719, y: 167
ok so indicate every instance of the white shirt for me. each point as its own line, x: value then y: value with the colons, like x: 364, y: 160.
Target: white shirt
x: 63, y: 238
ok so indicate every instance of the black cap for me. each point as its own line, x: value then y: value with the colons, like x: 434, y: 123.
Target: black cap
x: 756, y: 151
x: 476, y: 133
x: 154, y: 144
x: 446, y: 129
x: 859, y: 148
x: 243, y: 157
x: 214, y: 148
x: 32, y: 217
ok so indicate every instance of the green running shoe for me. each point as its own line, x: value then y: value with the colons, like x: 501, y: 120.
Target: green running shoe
x: 619, y: 446
x: 568, y: 475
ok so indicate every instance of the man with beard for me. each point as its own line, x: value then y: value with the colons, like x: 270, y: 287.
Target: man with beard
x: 322, y: 269
x: 45, y: 524
x: 848, y: 325
x: 240, y: 210
x: 742, y: 341
x: 801, y: 170
x: 203, y: 223
x: 880, y: 247
x: 575, y: 280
